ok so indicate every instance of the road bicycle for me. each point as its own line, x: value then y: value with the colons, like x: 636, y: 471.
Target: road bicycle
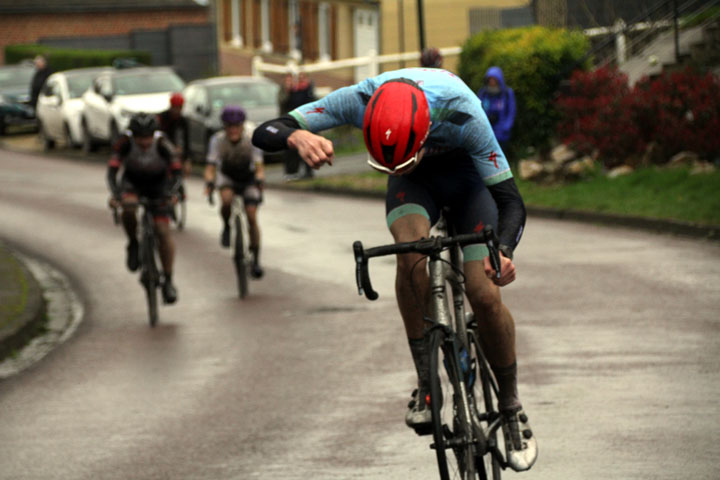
x: 147, y: 254
x: 463, y: 391
x: 241, y: 250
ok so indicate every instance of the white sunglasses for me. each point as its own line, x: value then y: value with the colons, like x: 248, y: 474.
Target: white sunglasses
x: 411, y: 161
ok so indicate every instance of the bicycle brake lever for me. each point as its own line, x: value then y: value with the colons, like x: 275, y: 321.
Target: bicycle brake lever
x: 491, y: 241
x: 362, y: 274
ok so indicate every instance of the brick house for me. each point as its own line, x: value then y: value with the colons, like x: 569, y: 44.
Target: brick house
x: 32, y: 21
x: 313, y: 30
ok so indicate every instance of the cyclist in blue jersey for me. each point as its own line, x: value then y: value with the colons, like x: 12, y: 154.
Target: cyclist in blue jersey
x: 427, y: 130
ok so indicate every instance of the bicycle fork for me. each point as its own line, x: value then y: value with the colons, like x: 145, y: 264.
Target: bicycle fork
x: 455, y: 340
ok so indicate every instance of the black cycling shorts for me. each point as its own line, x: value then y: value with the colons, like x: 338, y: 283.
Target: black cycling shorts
x: 151, y: 190
x: 449, y: 180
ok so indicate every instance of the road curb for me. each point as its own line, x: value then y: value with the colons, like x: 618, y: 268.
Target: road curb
x: 62, y: 313
x: 23, y: 315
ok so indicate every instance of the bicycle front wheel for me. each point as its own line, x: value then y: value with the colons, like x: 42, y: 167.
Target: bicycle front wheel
x: 150, y: 278
x: 483, y: 400
x: 241, y: 265
x: 452, y: 428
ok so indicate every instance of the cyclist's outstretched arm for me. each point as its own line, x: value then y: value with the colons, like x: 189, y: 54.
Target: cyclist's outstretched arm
x: 285, y: 132
x: 298, y: 129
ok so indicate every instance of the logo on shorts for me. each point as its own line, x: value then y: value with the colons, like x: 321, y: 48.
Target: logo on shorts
x: 479, y: 227
x: 493, y: 158
x: 400, y: 196
x: 317, y: 110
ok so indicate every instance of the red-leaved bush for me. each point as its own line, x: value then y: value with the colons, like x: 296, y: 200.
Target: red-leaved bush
x: 678, y: 111
x: 594, y: 116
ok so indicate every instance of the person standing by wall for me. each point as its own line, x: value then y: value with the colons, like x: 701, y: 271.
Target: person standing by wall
x: 42, y: 72
x: 431, y: 58
x: 498, y: 101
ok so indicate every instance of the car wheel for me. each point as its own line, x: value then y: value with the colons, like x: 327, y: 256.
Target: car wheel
x: 47, y: 142
x: 69, y: 142
x: 88, y: 145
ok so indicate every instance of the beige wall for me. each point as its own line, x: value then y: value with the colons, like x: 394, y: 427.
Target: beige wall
x: 447, y: 23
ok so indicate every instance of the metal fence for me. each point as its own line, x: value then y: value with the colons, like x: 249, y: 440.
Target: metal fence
x: 372, y: 60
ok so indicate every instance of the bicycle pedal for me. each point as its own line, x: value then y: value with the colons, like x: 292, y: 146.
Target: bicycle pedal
x: 422, y: 430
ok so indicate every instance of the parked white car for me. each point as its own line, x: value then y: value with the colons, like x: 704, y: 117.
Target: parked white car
x: 60, y: 107
x: 117, y: 95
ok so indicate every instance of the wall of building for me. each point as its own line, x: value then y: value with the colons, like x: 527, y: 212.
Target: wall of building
x: 28, y: 28
x: 447, y: 24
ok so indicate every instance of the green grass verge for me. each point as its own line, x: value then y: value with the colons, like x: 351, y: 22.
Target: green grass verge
x: 664, y: 193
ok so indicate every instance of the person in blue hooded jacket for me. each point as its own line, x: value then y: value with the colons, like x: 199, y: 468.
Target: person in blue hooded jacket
x: 498, y: 101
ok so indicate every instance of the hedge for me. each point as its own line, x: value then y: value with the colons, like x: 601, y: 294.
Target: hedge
x: 676, y: 111
x: 68, y: 58
x: 534, y: 60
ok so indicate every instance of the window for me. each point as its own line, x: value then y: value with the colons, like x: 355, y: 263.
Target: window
x: 324, y: 41
x: 236, y: 16
x: 267, y: 45
x: 294, y: 29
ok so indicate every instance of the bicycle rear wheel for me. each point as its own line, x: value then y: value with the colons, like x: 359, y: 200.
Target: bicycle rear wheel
x: 241, y: 266
x: 485, y: 414
x: 150, y: 277
x: 452, y: 429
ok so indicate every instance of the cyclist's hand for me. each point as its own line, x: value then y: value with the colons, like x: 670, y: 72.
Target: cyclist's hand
x: 260, y: 183
x: 507, y: 269
x: 113, y: 202
x: 315, y: 150
x: 174, y: 199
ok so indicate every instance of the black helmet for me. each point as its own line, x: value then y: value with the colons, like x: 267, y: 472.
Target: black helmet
x: 143, y: 124
x: 431, y: 58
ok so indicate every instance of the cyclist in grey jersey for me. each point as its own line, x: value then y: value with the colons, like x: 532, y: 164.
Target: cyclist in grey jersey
x: 236, y: 167
x: 419, y: 114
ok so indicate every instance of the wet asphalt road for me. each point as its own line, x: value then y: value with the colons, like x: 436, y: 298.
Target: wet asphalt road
x: 617, y: 337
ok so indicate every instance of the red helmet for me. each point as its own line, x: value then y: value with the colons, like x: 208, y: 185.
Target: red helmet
x: 396, y: 124
x: 176, y: 100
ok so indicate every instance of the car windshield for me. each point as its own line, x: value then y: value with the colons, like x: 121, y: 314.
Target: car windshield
x: 79, y: 82
x: 246, y: 95
x: 16, y: 77
x: 147, y: 82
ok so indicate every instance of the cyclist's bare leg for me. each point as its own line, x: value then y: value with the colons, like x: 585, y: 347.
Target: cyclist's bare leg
x: 497, y: 333
x: 494, y: 319
x: 129, y: 216
x: 496, y: 327
x: 253, y: 227
x: 226, y: 199
x: 166, y: 246
x: 411, y: 284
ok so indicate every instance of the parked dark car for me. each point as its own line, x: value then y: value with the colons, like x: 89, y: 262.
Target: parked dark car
x: 15, y: 106
x: 205, y: 99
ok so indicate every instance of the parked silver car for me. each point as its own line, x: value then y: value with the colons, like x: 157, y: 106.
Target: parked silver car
x: 205, y: 99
